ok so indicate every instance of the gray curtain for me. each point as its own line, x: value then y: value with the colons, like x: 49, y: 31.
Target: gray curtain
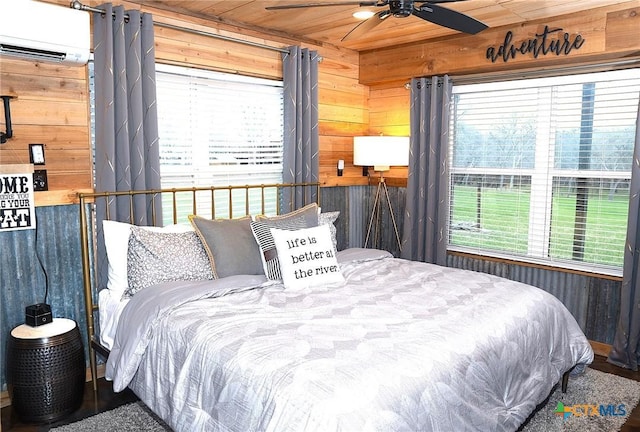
x: 126, y: 122
x: 301, y: 142
x: 626, y: 345
x: 426, y: 211
x: 127, y: 154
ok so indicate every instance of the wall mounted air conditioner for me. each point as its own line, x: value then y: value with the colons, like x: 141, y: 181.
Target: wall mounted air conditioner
x: 44, y: 32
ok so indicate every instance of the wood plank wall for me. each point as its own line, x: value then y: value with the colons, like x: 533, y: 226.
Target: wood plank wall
x: 611, y: 33
x: 359, y: 93
x: 52, y: 104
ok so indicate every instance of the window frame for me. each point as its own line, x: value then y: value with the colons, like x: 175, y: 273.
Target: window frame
x: 540, y: 202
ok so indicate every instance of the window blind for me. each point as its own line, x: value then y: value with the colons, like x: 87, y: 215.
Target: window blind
x: 540, y: 168
x: 218, y: 129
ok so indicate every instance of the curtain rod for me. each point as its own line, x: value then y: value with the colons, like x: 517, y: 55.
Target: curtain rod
x: 75, y: 4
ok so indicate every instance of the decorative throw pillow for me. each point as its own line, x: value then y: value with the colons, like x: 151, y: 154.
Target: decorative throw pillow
x: 304, y: 218
x: 230, y: 245
x: 307, y: 257
x: 156, y: 257
x: 116, y: 243
x: 329, y: 218
x: 309, y: 212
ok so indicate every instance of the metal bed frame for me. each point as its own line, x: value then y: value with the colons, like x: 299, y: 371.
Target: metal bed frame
x: 88, y: 231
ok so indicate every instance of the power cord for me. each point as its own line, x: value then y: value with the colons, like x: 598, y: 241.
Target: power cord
x: 42, y: 267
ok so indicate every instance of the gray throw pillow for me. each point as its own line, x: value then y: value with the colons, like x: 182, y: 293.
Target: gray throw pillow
x: 155, y: 257
x: 306, y: 217
x: 230, y: 245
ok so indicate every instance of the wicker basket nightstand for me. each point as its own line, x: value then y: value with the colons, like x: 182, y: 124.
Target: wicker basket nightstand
x: 46, y: 370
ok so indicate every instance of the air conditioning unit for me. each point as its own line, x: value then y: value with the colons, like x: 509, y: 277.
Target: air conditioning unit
x: 44, y: 32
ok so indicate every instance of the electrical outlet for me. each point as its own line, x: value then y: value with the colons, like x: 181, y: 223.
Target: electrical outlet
x: 40, y: 180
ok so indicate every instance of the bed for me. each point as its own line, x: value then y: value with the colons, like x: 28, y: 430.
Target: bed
x: 326, y: 340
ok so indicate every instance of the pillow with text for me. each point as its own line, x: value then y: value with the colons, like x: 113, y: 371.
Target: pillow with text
x: 307, y: 257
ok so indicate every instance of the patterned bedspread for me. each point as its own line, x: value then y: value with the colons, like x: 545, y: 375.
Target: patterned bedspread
x: 401, y: 346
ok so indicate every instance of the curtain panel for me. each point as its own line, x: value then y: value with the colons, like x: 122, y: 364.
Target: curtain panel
x: 426, y: 211
x: 127, y: 156
x: 301, y: 139
x: 625, y: 351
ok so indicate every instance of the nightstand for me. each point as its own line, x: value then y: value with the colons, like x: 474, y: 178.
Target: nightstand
x: 46, y: 370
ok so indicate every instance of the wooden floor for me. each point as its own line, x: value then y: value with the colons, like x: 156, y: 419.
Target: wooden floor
x: 108, y: 400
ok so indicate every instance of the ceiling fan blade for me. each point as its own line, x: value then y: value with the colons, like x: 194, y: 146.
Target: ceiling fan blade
x: 307, y: 5
x: 440, y: 1
x: 366, y: 25
x: 448, y: 18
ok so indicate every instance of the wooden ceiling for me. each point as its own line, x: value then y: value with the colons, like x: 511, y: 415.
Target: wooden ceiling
x: 329, y: 24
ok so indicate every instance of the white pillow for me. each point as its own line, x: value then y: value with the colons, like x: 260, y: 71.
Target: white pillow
x: 116, y: 242
x: 307, y: 257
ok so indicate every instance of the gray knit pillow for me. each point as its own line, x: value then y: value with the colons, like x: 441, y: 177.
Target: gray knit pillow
x: 329, y: 218
x: 155, y: 257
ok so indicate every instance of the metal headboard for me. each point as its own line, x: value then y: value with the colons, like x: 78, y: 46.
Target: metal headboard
x: 253, y: 196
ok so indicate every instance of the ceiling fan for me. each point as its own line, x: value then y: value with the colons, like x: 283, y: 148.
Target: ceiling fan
x: 427, y: 10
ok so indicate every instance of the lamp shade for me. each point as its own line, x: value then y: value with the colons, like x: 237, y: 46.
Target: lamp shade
x: 381, y: 152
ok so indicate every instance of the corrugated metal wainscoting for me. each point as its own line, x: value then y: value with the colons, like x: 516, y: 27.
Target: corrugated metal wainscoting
x: 594, y: 302
x: 355, y: 204
x: 22, y: 279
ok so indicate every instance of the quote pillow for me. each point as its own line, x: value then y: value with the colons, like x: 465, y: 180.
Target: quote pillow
x: 307, y: 257
x: 230, y: 245
x: 156, y: 257
x: 304, y: 218
x: 116, y: 243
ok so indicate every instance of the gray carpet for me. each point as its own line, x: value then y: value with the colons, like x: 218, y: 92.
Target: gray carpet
x: 591, y: 388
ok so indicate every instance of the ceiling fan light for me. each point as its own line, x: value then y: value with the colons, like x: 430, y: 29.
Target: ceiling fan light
x: 363, y: 14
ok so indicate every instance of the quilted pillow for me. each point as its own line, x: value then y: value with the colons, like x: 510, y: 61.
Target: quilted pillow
x: 329, y: 218
x: 156, y: 257
x: 303, y: 218
x: 307, y: 257
x: 230, y: 245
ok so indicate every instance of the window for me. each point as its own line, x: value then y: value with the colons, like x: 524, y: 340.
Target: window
x: 219, y: 129
x: 540, y: 168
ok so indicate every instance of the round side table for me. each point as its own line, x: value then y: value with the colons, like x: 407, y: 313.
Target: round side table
x: 46, y: 370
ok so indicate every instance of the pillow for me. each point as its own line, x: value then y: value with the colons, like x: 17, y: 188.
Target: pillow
x: 307, y: 257
x: 116, y: 242
x: 156, y: 257
x: 303, y: 218
x: 329, y: 218
x: 310, y: 212
x: 230, y: 245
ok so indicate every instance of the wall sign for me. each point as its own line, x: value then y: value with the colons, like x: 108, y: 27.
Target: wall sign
x: 550, y: 41
x: 17, y: 206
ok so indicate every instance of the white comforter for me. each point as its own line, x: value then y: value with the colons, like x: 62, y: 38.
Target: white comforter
x: 402, y: 346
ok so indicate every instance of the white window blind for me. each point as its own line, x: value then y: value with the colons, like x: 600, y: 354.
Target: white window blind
x: 218, y: 129
x: 540, y: 168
